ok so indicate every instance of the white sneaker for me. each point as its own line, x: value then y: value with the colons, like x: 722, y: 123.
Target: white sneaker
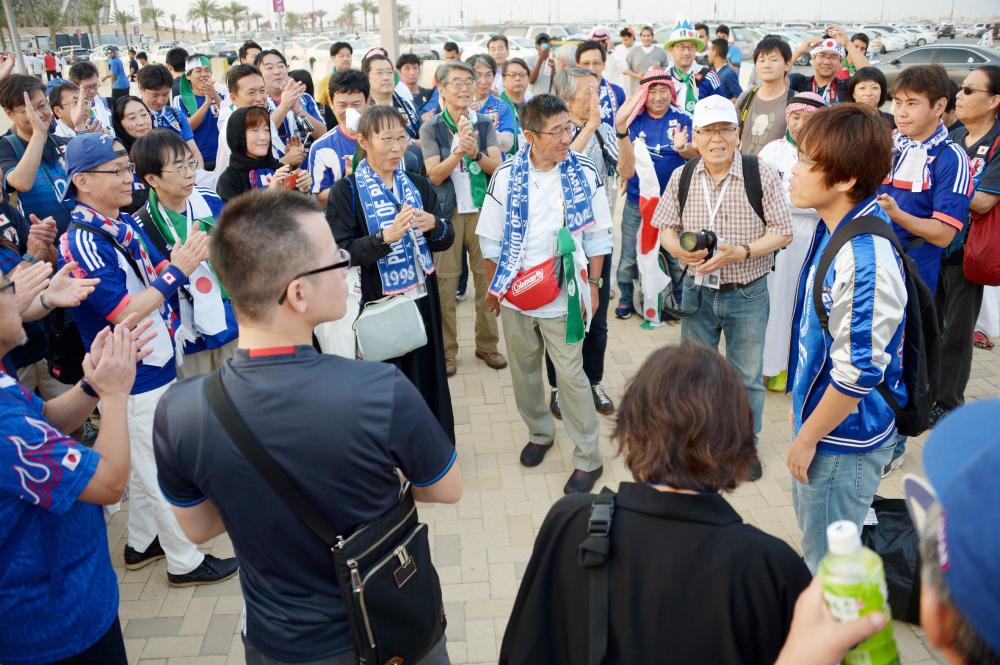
x: 893, y: 465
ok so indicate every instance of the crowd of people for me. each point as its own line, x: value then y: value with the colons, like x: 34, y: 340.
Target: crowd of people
x: 308, y: 245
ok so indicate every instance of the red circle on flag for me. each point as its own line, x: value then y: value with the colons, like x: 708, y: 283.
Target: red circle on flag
x: 203, y: 284
x: 650, y: 313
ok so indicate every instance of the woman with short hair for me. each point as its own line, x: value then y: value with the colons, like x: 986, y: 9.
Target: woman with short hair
x: 387, y: 219
x: 869, y: 86
x: 687, y: 580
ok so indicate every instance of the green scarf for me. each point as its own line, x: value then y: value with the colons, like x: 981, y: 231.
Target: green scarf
x: 477, y: 179
x: 690, y: 97
x: 517, y: 121
x: 788, y: 137
x: 565, y: 245
x: 175, y: 227
x: 187, y: 92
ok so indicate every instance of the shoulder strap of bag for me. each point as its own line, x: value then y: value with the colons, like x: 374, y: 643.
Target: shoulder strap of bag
x: 868, y: 225
x: 248, y: 444
x: 114, y: 242
x: 15, y: 142
x: 593, y: 554
x: 684, y: 185
x: 753, y: 186
x: 745, y: 106
x: 993, y: 148
x: 152, y: 230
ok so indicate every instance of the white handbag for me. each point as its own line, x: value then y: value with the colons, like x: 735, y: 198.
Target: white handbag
x: 389, y: 328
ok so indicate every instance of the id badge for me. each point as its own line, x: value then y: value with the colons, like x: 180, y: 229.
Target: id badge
x: 713, y: 281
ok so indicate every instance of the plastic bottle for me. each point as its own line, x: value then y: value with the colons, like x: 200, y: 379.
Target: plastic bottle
x: 853, y: 582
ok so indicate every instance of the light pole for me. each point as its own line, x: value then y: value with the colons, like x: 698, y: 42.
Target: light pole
x: 14, y: 37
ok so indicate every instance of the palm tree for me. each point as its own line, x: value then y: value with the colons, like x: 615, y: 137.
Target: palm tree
x: 152, y: 15
x: 403, y: 13
x: 347, y: 15
x: 320, y: 14
x: 233, y: 11
x: 173, y: 25
x: 368, y: 7
x: 95, y: 8
x: 203, y: 10
x: 52, y: 18
x: 293, y: 22
x: 123, y: 18
x: 255, y: 17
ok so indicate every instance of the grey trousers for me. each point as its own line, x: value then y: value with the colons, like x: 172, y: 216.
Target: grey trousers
x: 527, y: 339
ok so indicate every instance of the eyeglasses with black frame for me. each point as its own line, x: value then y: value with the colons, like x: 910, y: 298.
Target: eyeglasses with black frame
x: 344, y: 262
x: 119, y: 172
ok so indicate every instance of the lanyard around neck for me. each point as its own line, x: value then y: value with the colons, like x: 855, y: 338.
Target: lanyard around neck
x: 713, y: 210
x: 188, y: 214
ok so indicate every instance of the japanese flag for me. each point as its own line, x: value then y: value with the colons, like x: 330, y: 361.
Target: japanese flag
x: 209, y: 312
x: 71, y: 459
x: 652, y: 279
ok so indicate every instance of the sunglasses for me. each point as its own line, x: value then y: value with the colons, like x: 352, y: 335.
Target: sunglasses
x: 966, y: 90
x: 344, y: 262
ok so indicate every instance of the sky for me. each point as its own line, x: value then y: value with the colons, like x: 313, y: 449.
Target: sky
x: 451, y: 12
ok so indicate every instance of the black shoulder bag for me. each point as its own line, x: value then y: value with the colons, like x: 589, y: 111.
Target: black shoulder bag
x: 593, y: 554
x: 389, y: 586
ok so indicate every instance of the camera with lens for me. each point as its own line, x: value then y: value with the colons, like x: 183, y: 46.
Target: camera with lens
x: 693, y: 241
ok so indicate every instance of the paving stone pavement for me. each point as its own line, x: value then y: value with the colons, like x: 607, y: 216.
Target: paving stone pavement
x: 482, y: 544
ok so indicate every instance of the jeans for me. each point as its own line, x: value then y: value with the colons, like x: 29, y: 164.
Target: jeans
x: 463, y: 279
x: 841, y: 487
x: 740, y: 314
x: 899, y: 445
x: 627, y: 268
x: 596, y: 341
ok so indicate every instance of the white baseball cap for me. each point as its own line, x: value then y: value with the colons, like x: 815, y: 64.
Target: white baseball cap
x: 713, y: 109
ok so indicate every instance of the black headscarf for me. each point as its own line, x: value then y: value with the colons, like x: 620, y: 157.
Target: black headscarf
x: 236, y: 178
x: 116, y: 120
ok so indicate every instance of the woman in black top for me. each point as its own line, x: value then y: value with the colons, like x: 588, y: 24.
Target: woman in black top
x: 687, y: 580
x: 130, y: 119
x: 252, y: 164
x: 869, y: 86
x: 388, y: 220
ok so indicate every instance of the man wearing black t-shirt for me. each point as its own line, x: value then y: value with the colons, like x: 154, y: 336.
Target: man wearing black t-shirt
x: 827, y: 56
x: 343, y: 430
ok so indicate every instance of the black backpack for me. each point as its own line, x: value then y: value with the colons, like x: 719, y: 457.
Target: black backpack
x: 920, y: 338
x: 751, y: 183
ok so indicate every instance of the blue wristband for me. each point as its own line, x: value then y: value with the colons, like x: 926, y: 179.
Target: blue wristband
x: 169, y: 281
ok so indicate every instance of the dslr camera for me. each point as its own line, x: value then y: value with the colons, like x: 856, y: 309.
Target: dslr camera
x: 693, y: 241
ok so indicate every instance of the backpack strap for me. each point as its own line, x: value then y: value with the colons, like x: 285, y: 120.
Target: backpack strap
x: 15, y: 142
x: 684, y: 185
x: 867, y: 225
x: 745, y: 106
x: 114, y: 242
x: 753, y: 186
x: 593, y: 553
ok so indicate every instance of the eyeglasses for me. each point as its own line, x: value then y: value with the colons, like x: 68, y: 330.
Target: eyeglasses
x: 725, y: 132
x: 515, y: 75
x: 966, y: 90
x: 344, y: 262
x: 128, y: 169
x: 462, y: 84
x: 184, y: 169
x: 9, y: 287
x: 394, y: 140
x: 565, y: 130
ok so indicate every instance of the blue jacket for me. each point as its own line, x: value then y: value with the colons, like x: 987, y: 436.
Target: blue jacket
x: 864, y: 293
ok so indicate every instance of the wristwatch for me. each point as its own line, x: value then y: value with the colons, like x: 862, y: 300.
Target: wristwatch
x: 479, y: 155
x: 381, y: 238
x: 599, y: 282
x: 87, y: 388
x: 28, y: 258
x: 621, y: 135
x: 747, y: 248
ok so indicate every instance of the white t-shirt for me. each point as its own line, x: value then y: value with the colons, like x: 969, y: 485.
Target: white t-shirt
x: 545, y: 218
x: 460, y: 180
x: 542, y: 84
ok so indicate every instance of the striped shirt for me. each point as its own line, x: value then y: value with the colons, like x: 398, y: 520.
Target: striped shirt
x: 736, y: 222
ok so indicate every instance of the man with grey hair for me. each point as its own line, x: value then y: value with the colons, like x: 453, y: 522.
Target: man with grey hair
x: 578, y: 87
x: 461, y: 150
x: 955, y: 513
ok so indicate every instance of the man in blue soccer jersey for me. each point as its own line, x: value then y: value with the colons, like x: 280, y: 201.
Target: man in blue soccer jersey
x: 929, y: 188
x: 331, y: 155
x: 154, y: 87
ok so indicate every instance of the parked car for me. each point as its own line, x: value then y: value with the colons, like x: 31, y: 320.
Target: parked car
x: 73, y: 54
x: 977, y: 30
x: 946, y: 31
x: 957, y: 59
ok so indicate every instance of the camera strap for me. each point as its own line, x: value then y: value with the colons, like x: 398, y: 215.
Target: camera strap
x: 713, y: 211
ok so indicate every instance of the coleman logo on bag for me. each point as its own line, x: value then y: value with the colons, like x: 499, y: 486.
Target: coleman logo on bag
x: 528, y: 280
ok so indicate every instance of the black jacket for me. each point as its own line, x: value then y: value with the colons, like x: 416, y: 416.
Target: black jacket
x: 689, y: 584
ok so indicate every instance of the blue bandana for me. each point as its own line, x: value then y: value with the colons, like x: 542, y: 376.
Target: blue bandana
x: 576, y: 203
x: 398, y: 270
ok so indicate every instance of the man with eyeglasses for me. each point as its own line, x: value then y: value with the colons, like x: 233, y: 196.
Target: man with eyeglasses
x: 827, y: 57
x: 135, y: 279
x: 176, y: 206
x: 276, y: 256
x: 691, y: 81
x: 460, y: 156
x: 725, y: 290
x: 547, y: 207
x: 85, y: 75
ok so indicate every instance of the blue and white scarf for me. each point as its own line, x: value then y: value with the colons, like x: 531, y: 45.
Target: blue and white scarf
x: 576, y: 200
x: 910, y: 166
x: 608, y: 93
x: 398, y: 270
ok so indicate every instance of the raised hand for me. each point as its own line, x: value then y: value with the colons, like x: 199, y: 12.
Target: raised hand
x: 66, y: 291
x: 29, y: 282
x: 37, y: 125
x: 188, y: 256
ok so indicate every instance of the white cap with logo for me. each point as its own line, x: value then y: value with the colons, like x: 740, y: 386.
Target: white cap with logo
x: 713, y: 109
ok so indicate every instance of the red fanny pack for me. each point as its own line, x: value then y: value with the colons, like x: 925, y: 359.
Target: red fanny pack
x: 535, y: 287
